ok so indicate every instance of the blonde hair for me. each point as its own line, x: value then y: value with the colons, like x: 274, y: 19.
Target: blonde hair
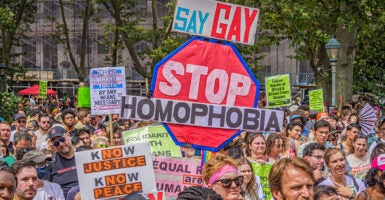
x: 99, y: 140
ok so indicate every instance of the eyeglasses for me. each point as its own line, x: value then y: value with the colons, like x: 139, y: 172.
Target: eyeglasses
x: 115, y: 119
x: 226, y: 183
x: 21, y: 121
x: 60, y: 140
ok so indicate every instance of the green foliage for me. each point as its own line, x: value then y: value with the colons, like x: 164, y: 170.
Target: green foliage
x: 8, y: 105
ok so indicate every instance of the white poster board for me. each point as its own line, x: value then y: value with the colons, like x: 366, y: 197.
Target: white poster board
x: 115, y: 172
x: 107, y: 85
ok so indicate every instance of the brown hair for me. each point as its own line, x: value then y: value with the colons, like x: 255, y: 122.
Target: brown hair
x: 281, y: 167
x: 249, y: 140
x: 214, y: 164
x: 270, y: 142
x: 250, y: 187
x: 83, y: 114
x: 331, y: 151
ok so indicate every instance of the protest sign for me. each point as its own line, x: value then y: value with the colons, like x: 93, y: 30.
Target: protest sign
x: 198, y: 114
x: 263, y: 172
x: 107, y: 84
x: 316, y: 100
x: 278, y: 91
x: 157, y: 136
x: 43, y: 89
x: 84, y: 97
x: 115, y: 172
x: 174, y: 174
x: 218, y: 20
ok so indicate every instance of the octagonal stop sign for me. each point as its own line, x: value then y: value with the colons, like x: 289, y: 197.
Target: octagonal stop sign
x: 205, y: 72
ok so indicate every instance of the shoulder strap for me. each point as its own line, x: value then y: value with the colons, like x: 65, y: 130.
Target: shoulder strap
x: 354, y: 182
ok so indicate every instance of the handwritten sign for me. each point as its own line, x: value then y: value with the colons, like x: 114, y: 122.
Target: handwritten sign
x: 278, y: 91
x: 115, y: 172
x: 108, y: 84
x: 218, y: 20
x: 316, y: 100
x: 157, y: 136
x: 84, y: 97
x: 43, y: 89
x: 175, y: 174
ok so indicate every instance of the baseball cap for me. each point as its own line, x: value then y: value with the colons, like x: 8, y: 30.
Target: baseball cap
x: 18, y: 116
x: 56, y: 131
x: 36, y: 156
x: 379, y: 162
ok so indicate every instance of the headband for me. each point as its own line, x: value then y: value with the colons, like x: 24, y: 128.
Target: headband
x: 219, y: 173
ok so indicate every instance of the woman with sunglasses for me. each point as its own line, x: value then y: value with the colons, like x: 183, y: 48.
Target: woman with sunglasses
x: 375, y: 179
x: 251, y: 187
x: 255, y: 148
x: 360, y: 159
x: 221, y: 174
x: 347, y: 187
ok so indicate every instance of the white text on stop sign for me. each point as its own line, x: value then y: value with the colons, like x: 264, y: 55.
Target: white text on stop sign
x: 230, y: 86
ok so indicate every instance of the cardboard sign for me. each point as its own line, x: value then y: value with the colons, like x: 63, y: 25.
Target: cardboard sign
x: 115, y: 172
x: 175, y: 174
x: 84, y: 97
x: 218, y: 20
x: 107, y: 86
x: 157, y: 136
x: 316, y: 100
x: 205, y: 72
x: 263, y: 172
x: 206, y: 115
x: 278, y: 92
x: 43, y: 89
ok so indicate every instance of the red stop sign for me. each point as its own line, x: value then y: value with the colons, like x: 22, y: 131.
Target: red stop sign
x: 205, y: 72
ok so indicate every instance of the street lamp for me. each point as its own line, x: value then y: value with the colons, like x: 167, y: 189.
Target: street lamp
x: 333, y: 50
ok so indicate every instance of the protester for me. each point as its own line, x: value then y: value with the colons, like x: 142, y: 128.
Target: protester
x: 7, y: 183
x: 117, y: 137
x: 43, y: 166
x: 84, y: 119
x: 379, y: 149
x: 100, y: 142
x: 375, y: 179
x: 293, y: 134
x: 256, y: 148
x: 380, y: 134
x: 68, y: 117
x: 346, y: 186
x: 359, y: 160
x: 85, y: 135
x: 313, y: 155
x: 6, y: 156
x: 321, y: 133
x: 42, y: 132
x: 324, y: 192
x: 22, y: 144
x: 251, y: 186
x: 5, y: 134
x: 197, y: 193
x: 220, y: 173
x: 351, y: 131
x: 64, y: 166
x: 275, y: 145
x: 20, y: 124
x: 291, y: 179
x: 27, y: 182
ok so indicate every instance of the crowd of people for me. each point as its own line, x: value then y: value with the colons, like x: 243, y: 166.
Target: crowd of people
x: 316, y: 155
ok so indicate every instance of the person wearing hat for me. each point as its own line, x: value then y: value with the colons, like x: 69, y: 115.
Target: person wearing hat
x: 43, y: 166
x: 20, y: 124
x: 375, y: 179
x: 64, y: 166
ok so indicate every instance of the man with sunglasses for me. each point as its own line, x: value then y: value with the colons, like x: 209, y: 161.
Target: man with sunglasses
x: 42, y: 133
x: 64, y: 166
x: 20, y: 124
x: 7, y: 183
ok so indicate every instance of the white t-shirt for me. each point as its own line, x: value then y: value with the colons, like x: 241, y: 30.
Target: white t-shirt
x: 360, y: 166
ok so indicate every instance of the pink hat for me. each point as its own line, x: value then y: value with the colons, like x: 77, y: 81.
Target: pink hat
x: 379, y: 162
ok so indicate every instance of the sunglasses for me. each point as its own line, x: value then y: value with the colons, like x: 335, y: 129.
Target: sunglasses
x: 57, y: 142
x: 21, y: 121
x: 226, y: 183
x: 102, y: 145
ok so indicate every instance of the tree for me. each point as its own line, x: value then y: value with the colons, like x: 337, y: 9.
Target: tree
x: 309, y: 24
x: 15, y: 20
x: 87, y: 12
